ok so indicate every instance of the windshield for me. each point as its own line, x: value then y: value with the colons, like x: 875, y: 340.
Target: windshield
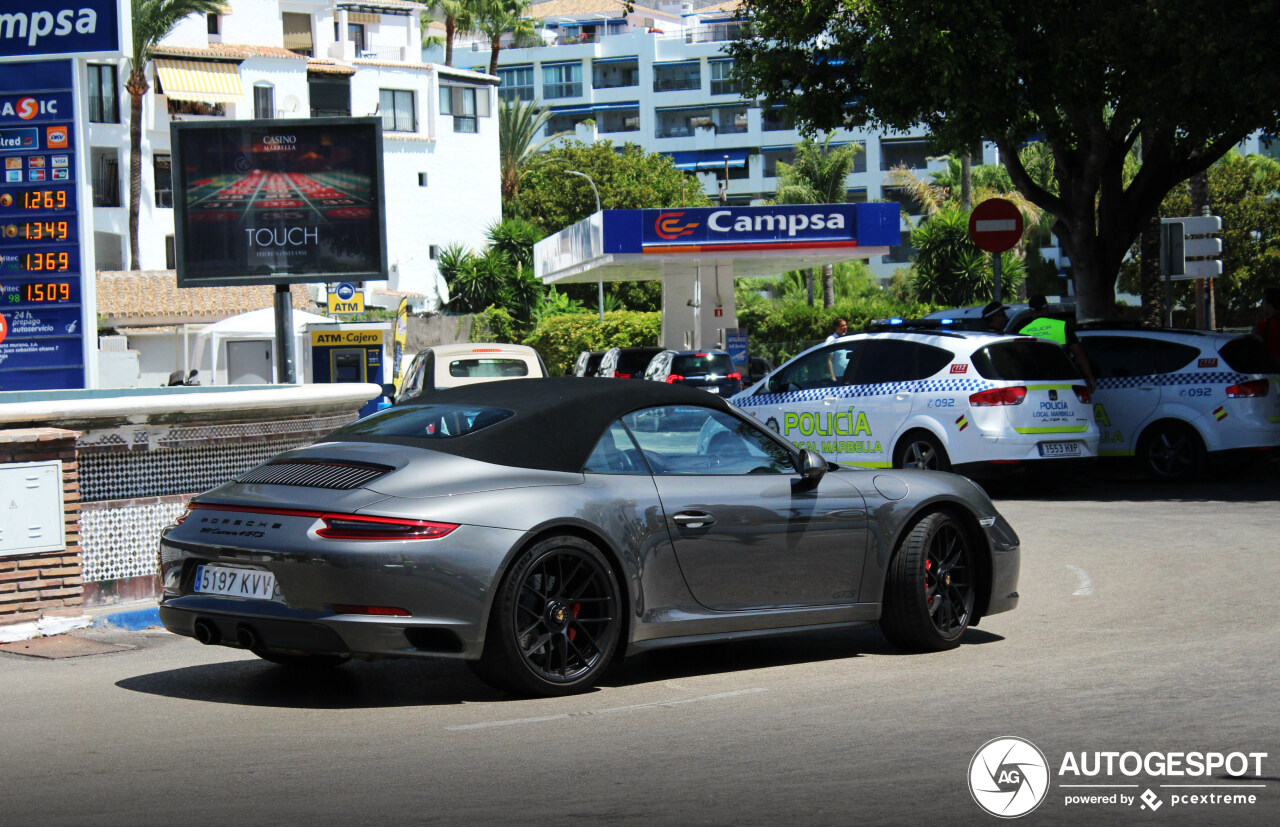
x: 700, y: 364
x: 488, y: 368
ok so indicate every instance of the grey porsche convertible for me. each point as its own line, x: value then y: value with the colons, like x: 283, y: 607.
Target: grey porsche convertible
x: 539, y: 528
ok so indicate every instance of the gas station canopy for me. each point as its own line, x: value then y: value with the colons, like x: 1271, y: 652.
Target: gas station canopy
x: 631, y: 245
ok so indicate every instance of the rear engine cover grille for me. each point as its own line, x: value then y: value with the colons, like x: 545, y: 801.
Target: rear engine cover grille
x: 315, y: 474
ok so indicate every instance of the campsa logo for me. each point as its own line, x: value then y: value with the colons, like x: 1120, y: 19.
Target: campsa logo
x: 722, y: 221
x: 669, y: 226
x: 21, y: 26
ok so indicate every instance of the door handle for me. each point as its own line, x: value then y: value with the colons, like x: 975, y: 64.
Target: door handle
x: 693, y: 519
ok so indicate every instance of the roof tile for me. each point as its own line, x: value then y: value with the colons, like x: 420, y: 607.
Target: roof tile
x: 151, y: 297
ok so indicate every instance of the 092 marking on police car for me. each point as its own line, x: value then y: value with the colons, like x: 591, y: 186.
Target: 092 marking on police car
x: 251, y: 583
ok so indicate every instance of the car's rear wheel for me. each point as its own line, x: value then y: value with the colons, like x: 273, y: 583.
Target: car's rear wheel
x: 302, y: 662
x: 556, y: 620
x: 920, y: 449
x: 1172, y: 452
x: 930, y: 588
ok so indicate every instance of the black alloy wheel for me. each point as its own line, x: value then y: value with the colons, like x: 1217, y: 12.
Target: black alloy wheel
x: 1172, y: 452
x: 930, y: 588
x: 556, y: 620
x: 921, y: 450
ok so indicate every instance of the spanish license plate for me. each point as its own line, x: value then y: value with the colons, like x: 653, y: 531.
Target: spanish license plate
x: 1059, y: 449
x: 250, y: 583
x: 712, y: 389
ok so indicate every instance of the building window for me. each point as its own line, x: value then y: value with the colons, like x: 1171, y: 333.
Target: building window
x: 559, y: 123
x: 902, y: 252
x: 170, y: 254
x: 615, y: 75
x: 517, y: 84
x: 910, y: 204
x: 775, y: 120
x: 213, y: 23
x: 164, y: 180
x: 264, y: 105
x: 676, y: 77
x: 911, y: 153
x: 422, y: 179
x: 433, y: 251
x: 105, y: 170
x: 562, y: 81
x: 355, y: 33
x: 465, y: 104
x: 104, y: 103
x: 773, y: 156
x: 397, y: 110
x: 619, y: 120
x: 297, y: 33
x: 722, y: 82
x: 330, y: 96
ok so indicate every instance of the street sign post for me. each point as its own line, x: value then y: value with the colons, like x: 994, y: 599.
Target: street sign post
x: 1188, y: 250
x: 996, y: 225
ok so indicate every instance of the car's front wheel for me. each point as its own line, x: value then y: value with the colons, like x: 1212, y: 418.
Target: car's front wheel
x: 930, y: 588
x: 556, y: 620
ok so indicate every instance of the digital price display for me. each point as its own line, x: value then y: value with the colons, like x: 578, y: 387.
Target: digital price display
x: 40, y: 277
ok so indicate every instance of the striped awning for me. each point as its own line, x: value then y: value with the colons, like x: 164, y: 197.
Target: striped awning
x: 199, y: 80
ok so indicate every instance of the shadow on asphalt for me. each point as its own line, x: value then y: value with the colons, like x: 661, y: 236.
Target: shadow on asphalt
x: 1121, y: 483
x: 427, y: 682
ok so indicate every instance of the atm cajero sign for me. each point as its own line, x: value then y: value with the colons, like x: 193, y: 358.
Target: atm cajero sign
x: 347, y: 338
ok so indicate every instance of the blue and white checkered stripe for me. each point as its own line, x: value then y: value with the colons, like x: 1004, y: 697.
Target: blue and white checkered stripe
x: 1171, y: 379
x: 948, y: 385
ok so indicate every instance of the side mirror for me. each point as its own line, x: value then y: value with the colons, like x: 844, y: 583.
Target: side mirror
x: 812, y: 468
x: 389, y: 390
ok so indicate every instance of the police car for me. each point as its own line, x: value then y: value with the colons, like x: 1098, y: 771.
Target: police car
x: 1177, y: 399
x: 921, y: 395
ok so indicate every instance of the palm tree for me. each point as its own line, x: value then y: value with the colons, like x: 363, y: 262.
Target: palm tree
x: 152, y: 22
x: 494, y: 18
x: 519, y: 123
x: 458, y: 17
x: 818, y: 177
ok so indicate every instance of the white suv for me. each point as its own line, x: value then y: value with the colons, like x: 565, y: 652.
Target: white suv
x: 448, y: 366
x: 1178, y: 398
x: 917, y: 395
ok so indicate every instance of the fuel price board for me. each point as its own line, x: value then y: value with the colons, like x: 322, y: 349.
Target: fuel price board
x: 41, y: 283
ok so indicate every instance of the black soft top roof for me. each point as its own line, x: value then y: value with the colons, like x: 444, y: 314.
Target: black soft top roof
x: 557, y: 421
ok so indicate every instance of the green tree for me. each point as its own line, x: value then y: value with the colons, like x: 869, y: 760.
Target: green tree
x: 1089, y: 76
x: 817, y: 177
x: 519, y: 123
x: 627, y: 179
x: 458, y: 17
x: 152, y: 21
x: 494, y: 18
x: 950, y: 270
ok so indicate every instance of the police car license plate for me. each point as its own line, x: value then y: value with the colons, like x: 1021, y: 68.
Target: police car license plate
x: 1059, y: 449
x: 251, y: 583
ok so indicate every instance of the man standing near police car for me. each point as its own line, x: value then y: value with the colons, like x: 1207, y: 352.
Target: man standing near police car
x: 1043, y: 326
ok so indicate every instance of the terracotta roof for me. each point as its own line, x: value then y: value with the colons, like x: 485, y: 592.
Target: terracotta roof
x: 727, y: 5
x: 227, y: 51
x: 316, y: 66
x: 439, y: 68
x: 152, y: 297
x: 389, y: 5
x: 574, y: 8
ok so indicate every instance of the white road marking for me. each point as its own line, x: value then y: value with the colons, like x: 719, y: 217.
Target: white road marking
x: 1086, y: 582
x: 562, y: 716
x: 999, y: 225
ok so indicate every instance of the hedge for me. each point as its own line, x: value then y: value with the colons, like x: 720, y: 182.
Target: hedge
x: 561, y: 338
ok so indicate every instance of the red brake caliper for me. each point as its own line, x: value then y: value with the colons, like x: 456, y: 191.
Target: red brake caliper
x: 577, y: 607
x: 928, y: 565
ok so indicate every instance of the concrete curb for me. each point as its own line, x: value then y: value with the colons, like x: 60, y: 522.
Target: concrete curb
x: 130, y: 619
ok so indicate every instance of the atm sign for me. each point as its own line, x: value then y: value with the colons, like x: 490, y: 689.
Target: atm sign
x: 353, y: 305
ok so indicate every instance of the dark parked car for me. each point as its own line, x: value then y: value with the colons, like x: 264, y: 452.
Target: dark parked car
x: 626, y: 362
x: 710, y: 370
x: 588, y: 363
x: 531, y: 529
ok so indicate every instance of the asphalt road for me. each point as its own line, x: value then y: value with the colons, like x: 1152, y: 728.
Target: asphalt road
x: 1148, y: 623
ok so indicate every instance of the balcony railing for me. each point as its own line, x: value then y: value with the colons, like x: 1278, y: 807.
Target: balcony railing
x: 676, y: 84
x: 106, y: 189
x: 715, y: 33
x: 562, y: 90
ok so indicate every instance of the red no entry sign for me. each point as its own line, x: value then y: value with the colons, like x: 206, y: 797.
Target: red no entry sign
x: 995, y: 225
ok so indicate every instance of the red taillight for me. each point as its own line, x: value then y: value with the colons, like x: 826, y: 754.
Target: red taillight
x: 1082, y: 393
x: 737, y: 377
x: 673, y: 378
x: 383, y: 611
x: 1248, y: 390
x: 621, y: 375
x: 486, y: 350
x: 360, y: 527
x: 998, y: 396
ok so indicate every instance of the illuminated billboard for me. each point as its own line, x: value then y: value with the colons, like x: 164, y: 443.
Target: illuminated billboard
x: 279, y: 201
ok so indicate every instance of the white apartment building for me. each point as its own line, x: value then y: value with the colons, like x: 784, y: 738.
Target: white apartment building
x: 660, y: 78
x: 300, y: 59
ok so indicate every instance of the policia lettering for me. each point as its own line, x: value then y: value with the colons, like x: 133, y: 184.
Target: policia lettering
x: 1053, y: 329
x: 836, y: 423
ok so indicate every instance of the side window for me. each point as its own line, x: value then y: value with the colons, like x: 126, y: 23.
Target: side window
x: 894, y: 360
x: 615, y: 453
x: 657, y: 365
x: 687, y: 440
x: 1118, y: 356
x: 1166, y: 357
x: 823, y: 368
